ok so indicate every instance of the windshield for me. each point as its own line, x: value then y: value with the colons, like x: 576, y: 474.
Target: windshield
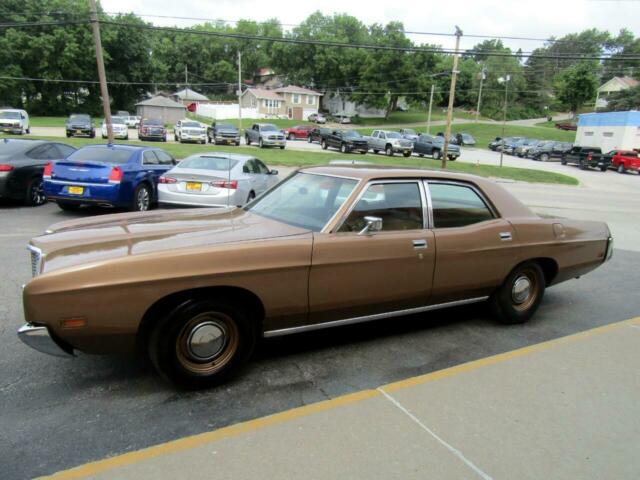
x: 117, y: 120
x: 154, y: 121
x: 466, y: 136
x: 268, y: 127
x: 352, y: 134
x: 5, y: 114
x: 393, y: 135
x: 305, y: 200
x: 227, y: 126
x: 204, y: 162
x: 409, y: 131
x: 104, y: 155
x: 191, y: 124
x: 79, y: 118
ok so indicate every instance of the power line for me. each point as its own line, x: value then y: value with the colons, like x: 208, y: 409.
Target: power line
x: 63, y: 80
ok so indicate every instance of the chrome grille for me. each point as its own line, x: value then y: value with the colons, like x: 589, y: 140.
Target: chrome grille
x: 36, y: 260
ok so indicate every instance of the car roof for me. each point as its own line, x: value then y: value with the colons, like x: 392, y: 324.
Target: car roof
x: 118, y: 146
x: 231, y: 156
x: 384, y: 171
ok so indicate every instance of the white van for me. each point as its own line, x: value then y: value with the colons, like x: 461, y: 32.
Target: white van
x: 14, y: 121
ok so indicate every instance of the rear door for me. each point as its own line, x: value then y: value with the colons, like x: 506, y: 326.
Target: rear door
x: 152, y: 167
x: 474, y: 246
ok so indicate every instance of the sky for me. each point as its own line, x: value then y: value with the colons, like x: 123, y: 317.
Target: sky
x: 522, y: 18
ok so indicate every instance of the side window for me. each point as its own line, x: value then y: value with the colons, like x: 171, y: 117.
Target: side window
x: 457, y: 206
x: 261, y: 167
x: 149, y: 158
x: 163, y: 157
x: 44, y: 152
x: 398, y: 205
x: 65, y: 150
x: 250, y: 167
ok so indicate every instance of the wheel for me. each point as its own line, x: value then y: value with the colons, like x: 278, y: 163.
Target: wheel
x: 544, y: 157
x: 201, y: 343
x: 603, y: 168
x: 520, y: 295
x: 324, y: 144
x: 406, y: 154
x: 282, y: 147
x: 260, y: 144
x: 247, y: 141
x: 563, y: 160
x: 251, y: 196
x: 388, y: 151
x: 452, y: 158
x: 164, y: 139
x: 69, y: 135
x: 68, y: 206
x: 309, y: 139
x: 238, y: 143
x: 28, y: 130
x: 582, y: 165
x: 292, y: 136
x: 141, y: 198
x: 621, y: 168
x: 343, y: 148
x: 92, y: 134
x: 436, y: 154
x: 35, y: 193
x: 421, y: 155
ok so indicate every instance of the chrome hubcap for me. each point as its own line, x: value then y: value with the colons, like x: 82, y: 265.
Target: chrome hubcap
x: 521, y: 290
x: 37, y: 193
x: 143, y: 199
x: 206, y: 341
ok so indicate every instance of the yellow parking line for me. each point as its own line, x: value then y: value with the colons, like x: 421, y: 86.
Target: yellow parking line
x: 193, y: 441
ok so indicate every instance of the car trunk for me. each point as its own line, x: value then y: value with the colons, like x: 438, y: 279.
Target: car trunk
x: 197, y: 180
x: 90, y: 172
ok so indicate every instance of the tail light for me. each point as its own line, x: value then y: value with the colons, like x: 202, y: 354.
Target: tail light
x: 48, y: 168
x: 233, y: 184
x: 5, y: 168
x: 116, y: 175
x: 590, y: 156
x: 167, y: 180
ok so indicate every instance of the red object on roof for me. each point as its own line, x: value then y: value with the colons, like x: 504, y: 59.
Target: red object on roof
x: 192, y: 107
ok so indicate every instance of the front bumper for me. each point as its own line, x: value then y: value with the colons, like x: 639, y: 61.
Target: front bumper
x: 191, y: 137
x: 230, y: 140
x: 13, y: 129
x: 80, y: 131
x: 39, y: 338
x: 270, y: 143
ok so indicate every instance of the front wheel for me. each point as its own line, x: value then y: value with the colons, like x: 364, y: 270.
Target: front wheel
x: 544, y: 157
x: 324, y: 144
x: 292, y: 136
x: 141, y: 198
x: 201, y: 343
x: 343, y: 148
x: 388, y: 151
x: 520, y: 295
x: 406, y: 154
x: 436, y: 154
x: 621, y: 169
x: 260, y: 143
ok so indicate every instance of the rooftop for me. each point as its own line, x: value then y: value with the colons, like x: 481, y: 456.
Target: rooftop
x: 160, y: 101
x: 296, y: 89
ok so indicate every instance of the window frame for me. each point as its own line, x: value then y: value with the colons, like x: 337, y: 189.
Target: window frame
x: 428, y: 182
x: 426, y: 217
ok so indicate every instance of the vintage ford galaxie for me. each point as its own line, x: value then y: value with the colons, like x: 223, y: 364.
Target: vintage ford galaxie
x: 329, y: 246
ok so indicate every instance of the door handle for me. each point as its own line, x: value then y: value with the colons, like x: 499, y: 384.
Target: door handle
x: 505, y: 236
x: 419, y: 244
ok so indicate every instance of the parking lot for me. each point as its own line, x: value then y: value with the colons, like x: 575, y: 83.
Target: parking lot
x: 59, y: 413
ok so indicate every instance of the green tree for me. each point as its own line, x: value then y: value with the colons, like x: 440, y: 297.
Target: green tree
x: 624, y: 100
x: 576, y: 85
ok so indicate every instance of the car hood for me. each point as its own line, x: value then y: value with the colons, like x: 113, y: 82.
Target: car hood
x: 107, y: 237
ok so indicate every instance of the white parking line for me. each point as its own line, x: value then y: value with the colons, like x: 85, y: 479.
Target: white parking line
x: 448, y: 446
x: 634, y: 326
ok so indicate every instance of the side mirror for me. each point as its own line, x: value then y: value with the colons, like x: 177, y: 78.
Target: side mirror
x: 273, y: 172
x: 374, y: 224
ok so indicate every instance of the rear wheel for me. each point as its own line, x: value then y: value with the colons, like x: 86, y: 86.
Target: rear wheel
x: 544, y: 157
x: 201, y: 343
x: 343, y: 148
x: 35, y: 193
x: 251, y: 196
x: 406, y: 154
x: 437, y: 154
x: 68, y: 206
x: 141, y: 198
x: 520, y: 295
x: 292, y: 136
x: 563, y: 160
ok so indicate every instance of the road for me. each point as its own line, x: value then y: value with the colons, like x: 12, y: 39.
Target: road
x: 57, y: 413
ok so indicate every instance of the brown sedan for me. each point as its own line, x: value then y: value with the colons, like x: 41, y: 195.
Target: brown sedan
x: 328, y: 246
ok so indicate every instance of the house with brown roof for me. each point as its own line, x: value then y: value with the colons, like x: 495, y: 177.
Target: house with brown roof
x: 288, y: 102
x: 616, y: 84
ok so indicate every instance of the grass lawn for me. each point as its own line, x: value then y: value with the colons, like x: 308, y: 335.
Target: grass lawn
x: 48, y: 121
x: 294, y: 158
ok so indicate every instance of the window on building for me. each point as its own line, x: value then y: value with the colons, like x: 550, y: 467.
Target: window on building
x: 588, y: 134
x: 607, y: 134
x: 295, y: 98
x: 311, y: 100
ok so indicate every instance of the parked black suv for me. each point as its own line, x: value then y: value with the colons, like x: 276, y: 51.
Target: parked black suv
x: 319, y: 134
x: 223, y: 133
x: 80, y: 124
x: 587, y: 157
x: 346, y: 141
x: 549, y: 150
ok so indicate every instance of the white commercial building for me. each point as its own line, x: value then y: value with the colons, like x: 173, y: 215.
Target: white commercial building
x: 609, y: 131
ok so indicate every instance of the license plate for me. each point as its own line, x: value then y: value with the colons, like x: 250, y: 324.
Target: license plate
x: 194, y: 186
x: 76, y: 190
x: 78, y: 131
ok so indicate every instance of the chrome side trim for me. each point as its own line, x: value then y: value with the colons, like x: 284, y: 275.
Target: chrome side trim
x: 505, y: 236
x: 369, y: 318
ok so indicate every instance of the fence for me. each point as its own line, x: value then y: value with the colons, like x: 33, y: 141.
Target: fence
x: 224, y: 111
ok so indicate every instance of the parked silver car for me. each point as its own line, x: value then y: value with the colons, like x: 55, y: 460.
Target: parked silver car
x: 215, y: 179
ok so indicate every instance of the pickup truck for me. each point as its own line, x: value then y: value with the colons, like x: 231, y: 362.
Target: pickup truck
x: 409, y: 134
x: 299, y: 131
x: 265, y: 135
x: 223, y: 133
x: 430, y: 145
x: 189, y: 131
x: 623, y: 160
x: 586, y: 157
x: 389, y: 142
x: 319, y: 134
x: 346, y: 141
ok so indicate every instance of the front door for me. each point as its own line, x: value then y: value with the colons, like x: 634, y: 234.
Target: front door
x: 474, y: 246
x: 357, y: 274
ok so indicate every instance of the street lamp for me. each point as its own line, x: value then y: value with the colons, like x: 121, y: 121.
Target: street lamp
x: 504, y: 80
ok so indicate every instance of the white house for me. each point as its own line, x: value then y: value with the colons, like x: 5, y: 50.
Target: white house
x: 609, y: 131
x: 614, y: 85
x: 337, y: 104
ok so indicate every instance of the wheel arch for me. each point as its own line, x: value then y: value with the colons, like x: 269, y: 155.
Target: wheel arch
x: 548, y: 265
x: 238, y: 295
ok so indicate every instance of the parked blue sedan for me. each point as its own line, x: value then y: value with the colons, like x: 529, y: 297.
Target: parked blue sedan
x: 121, y: 176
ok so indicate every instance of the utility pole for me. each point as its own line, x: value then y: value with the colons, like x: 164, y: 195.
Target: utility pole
x: 104, y: 91
x: 504, y: 79
x: 483, y: 74
x: 452, y: 92
x: 430, y: 104
x: 186, y: 77
x: 239, y: 92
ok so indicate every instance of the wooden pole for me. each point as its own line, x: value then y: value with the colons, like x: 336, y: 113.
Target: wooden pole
x: 104, y: 91
x: 452, y: 92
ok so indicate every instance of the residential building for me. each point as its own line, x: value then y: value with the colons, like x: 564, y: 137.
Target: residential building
x: 161, y: 107
x: 291, y: 102
x: 616, y: 84
x: 337, y: 104
x: 186, y: 96
x: 609, y: 131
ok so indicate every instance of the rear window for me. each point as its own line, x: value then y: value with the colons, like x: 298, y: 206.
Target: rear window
x: 202, y: 162
x: 227, y: 126
x: 268, y: 127
x: 9, y: 146
x: 153, y: 121
x: 190, y: 124
x: 104, y: 155
x: 5, y: 114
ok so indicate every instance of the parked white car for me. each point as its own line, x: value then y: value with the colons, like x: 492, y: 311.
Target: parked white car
x: 119, y: 127
x: 215, y: 179
x: 14, y: 121
x: 132, y: 121
x: 190, y: 131
x: 317, y: 118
